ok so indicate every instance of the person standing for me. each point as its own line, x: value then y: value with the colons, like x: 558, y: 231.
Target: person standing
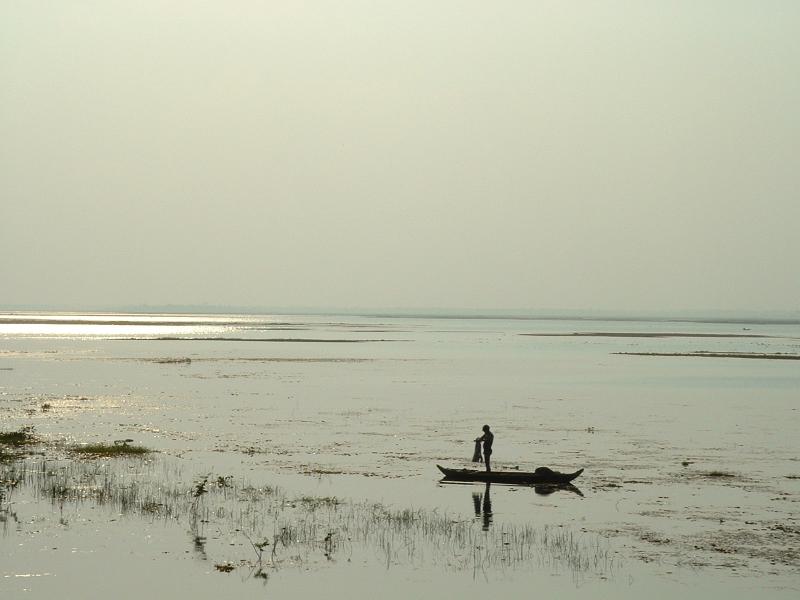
x: 488, y: 439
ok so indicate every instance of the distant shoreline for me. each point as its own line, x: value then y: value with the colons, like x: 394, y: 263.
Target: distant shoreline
x: 625, y: 334
x: 23, y: 314
x: 751, y: 355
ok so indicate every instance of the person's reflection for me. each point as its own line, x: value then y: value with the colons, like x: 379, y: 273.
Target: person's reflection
x: 487, y: 508
x: 482, y: 503
x: 199, y: 543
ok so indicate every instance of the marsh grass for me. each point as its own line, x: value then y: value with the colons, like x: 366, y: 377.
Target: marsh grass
x: 110, y: 450
x: 314, y: 502
x: 22, y: 437
x: 277, y: 530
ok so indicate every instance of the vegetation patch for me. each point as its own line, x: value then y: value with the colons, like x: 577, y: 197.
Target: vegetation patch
x: 314, y: 502
x: 22, y: 437
x: 111, y: 450
x: 314, y: 471
x: 305, y: 531
x: 173, y: 361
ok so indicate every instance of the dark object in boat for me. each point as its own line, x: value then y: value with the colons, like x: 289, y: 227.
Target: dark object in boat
x: 540, y: 475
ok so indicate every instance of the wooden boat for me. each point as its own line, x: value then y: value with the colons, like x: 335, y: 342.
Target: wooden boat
x: 542, y: 475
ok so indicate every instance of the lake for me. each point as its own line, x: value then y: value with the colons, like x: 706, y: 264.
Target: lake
x: 296, y: 455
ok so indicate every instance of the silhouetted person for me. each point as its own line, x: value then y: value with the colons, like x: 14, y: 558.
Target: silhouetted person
x: 487, y: 438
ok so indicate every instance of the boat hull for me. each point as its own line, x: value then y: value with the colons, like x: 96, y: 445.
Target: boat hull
x: 542, y: 475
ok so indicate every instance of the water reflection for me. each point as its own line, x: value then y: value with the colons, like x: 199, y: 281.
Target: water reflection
x: 482, y: 503
x: 6, y: 514
x: 199, y: 546
x: 545, y: 489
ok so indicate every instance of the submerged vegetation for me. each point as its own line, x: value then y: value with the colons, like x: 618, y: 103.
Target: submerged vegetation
x: 275, y: 530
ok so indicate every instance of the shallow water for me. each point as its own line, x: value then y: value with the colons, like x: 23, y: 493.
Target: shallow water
x: 364, y: 408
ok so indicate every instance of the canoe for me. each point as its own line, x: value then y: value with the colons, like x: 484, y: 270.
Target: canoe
x: 539, y: 476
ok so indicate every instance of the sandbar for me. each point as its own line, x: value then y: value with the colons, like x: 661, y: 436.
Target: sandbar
x: 756, y: 355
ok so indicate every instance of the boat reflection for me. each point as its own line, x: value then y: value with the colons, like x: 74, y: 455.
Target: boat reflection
x: 542, y: 489
x: 545, y: 489
x: 482, y: 503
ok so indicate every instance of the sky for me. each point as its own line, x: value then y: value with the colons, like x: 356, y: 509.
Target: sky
x: 614, y: 155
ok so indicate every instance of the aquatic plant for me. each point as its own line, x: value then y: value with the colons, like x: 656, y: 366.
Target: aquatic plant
x: 314, y: 502
x: 173, y: 361
x: 23, y: 436
x: 8, y: 455
x: 12, y: 441
x: 284, y: 531
x: 116, y: 449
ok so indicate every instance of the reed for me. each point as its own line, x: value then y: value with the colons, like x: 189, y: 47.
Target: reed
x: 109, y: 450
x: 289, y: 531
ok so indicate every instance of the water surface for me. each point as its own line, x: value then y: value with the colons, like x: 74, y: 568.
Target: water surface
x: 363, y: 408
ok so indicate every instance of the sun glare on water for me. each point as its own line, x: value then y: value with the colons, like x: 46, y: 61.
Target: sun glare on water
x: 117, y: 325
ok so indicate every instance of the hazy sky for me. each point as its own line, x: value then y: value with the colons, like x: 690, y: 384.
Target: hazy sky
x: 608, y: 155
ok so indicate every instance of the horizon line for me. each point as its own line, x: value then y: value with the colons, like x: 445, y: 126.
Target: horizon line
x: 734, y: 316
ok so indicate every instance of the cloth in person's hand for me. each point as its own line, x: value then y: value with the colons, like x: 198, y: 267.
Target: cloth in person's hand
x: 477, y: 456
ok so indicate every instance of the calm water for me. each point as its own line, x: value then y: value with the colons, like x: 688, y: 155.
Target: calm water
x: 363, y: 408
